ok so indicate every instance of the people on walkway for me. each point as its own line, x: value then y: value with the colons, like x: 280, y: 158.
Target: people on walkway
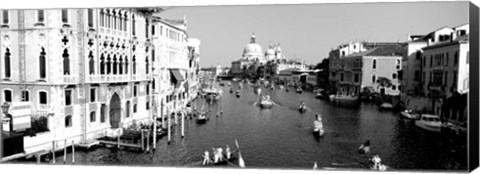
x: 215, y: 155
x: 220, y: 153
x: 206, y: 158
x: 376, y: 160
x: 227, y: 151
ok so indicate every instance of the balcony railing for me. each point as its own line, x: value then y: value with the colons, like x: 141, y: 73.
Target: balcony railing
x: 43, y: 107
x: 68, y: 79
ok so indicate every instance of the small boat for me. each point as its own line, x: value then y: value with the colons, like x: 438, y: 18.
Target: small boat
x: 258, y: 90
x: 231, y: 90
x: 280, y: 86
x: 429, y: 122
x: 386, y: 106
x: 238, y: 93
x: 299, y: 90
x: 343, y: 98
x: 235, y: 79
x: 286, y: 89
x: 221, y: 84
x: 302, y: 108
x: 202, y: 118
x: 212, y: 95
x: 319, y: 95
x: 229, y: 84
x: 410, y: 114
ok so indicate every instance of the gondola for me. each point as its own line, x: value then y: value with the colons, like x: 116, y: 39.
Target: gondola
x: 302, y: 108
x: 224, y: 161
x: 299, y: 90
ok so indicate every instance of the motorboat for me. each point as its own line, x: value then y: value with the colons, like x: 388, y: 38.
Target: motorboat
x: 299, y: 90
x: 319, y: 95
x: 429, y: 122
x: 202, y: 118
x: 344, y: 98
x: 410, y: 114
x: 235, y: 79
x: 212, y: 94
x: 386, y: 106
x: 258, y: 90
x: 238, y: 93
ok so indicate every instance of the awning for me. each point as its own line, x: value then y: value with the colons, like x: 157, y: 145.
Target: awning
x: 177, y: 75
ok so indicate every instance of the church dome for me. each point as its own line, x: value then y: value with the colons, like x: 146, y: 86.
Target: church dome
x: 270, y: 52
x: 252, y: 48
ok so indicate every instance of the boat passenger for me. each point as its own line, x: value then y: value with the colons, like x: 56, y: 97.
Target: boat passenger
x: 376, y: 161
x: 220, y: 153
x: 215, y: 155
x: 206, y: 158
x: 227, y: 151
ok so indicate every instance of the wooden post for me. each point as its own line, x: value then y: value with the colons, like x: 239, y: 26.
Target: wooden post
x: 163, y: 115
x: 65, y: 151
x: 143, y: 143
x: 155, y: 127
x: 169, y: 128
x: 148, y: 140
x: 53, y: 151
x: 118, y: 142
x: 38, y: 158
x: 73, y: 152
x: 183, y: 124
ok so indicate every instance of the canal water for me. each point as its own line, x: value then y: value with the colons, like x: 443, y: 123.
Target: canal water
x: 281, y: 137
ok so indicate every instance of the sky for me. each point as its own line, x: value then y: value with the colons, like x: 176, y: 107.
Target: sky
x: 310, y: 31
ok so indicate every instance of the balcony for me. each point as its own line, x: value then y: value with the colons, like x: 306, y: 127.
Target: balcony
x: 68, y: 79
x: 43, y: 107
x: 107, y: 78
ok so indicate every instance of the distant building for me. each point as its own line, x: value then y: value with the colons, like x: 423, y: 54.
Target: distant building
x: 337, y: 63
x: 365, y: 69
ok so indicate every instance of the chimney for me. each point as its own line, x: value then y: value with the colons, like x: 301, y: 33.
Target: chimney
x: 453, y: 36
x: 409, y: 37
x: 429, y: 41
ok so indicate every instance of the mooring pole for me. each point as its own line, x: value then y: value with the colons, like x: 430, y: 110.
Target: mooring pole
x: 65, y: 151
x: 155, y: 124
x: 183, y: 124
x: 148, y: 140
x: 118, y: 142
x: 169, y: 128
x: 53, y: 151
x: 143, y: 143
x: 38, y: 158
x: 163, y: 115
x: 73, y: 152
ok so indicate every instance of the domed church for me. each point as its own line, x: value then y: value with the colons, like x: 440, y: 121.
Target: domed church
x: 253, y: 51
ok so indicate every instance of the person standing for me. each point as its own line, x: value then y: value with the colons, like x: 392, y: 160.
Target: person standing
x: 227, y: 151
x: 206, y: 158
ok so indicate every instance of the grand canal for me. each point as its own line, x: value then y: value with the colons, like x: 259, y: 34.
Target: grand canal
x: 281, y: 137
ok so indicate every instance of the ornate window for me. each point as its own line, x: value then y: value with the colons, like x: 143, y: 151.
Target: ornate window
x: 68, y: 121
x: 90, y: 17
x: 146, y: 65
x: 43, y: 99
x: 134, y: 65
x: 102, y: 64
x: 120, y: 66
x: 126, y: 64
x: 68, y: 97
x: 5, y: 17
x: 43, y: 64
x: 66, y: 62
x: 127, y: 106
x: 103, y: 112
x: 7, y: 63
x: 7, y: 94
x: 25, y: 96
x: 91, y: 63
x: 93, y: 116
x: 109, y: 62
x: 40, y: 16
x: 65, y: 15
x: 93, y: 95
x: 133, y: 25
x: 115, y: 64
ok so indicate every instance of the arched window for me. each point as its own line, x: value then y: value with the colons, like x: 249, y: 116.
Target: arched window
x: 102, y: 64
x: 109, y: 63
x: 374, y: 64
x: 133, y: 25
x: 115, y: 64
x: 127, y: 114
x: 42, y: 64
x: 146, y: 65
x: 126, y: 64
x: 68, y: 121
x: 93, y: 116
x: 103, y: 112
x: 66, y: 62
x: 7, y: 63
x: 153, y: 84
x: 91, y: 63
x: 43, y: 98
x: 373, y: 79
x: 134, y: 65
x: 120, y: 65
